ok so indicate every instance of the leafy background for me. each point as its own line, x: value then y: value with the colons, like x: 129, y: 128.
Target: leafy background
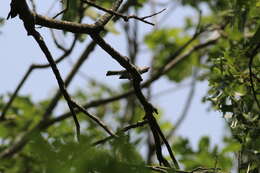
x: 225, y: 66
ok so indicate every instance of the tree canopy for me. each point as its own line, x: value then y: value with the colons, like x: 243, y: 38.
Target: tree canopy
x: 106, y: 129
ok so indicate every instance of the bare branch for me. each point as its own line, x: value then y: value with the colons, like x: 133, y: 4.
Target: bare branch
x: 177, y: 59
x: 196, y: 170
x: 74, y: 27
x: 9, y: 103
x: 65, y: 25
x: 96, y: 119
x: 22, y: 141
x: 22, y: 10
x: 58, y: 45
x: 55, y: 70
x: 126, y: 18
x: 95, y: 103
x: 187, y: 105
x: 64, y: 10
x: 154, y: 77
x: 148, y: 108
x: 29, y: 72
x: 107, y: 17
x: 125, y: 129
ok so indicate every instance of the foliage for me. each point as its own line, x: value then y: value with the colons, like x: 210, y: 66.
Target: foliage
x: 205, y: 155
x: 230, y: 64
x: 171, y: 40
x: 60, y: 154
x: 234, y: 89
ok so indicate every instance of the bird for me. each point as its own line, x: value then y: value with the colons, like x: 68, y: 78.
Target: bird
x: 124, y: 74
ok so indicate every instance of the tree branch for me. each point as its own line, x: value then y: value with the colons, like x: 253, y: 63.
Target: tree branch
x: 126, y: 18
x: 29, y: 72
x: 154, y: 77
x: 125, y: 129
x: 148, y: 108
x: 22, y: 141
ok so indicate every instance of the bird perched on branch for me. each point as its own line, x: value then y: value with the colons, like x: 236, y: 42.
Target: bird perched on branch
x: 124, y: 74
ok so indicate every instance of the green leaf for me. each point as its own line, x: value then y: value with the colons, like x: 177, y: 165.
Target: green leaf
x: 204, y: 144
x: 164, y: 43
x: 231, y: 146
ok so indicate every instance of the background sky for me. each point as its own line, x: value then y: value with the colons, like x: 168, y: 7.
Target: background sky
x: 19, y: 51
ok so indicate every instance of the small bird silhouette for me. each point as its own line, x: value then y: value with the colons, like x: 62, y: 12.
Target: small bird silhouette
x: 123, y: 74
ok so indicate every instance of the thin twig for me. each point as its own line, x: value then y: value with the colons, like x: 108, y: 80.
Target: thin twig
x: 184, y: 113
x: 21, y: 8
x: 19, y: 144
x: 176, y: 59
x: 64, y: 10
x: 131, y: 34
x: 154, y: 77
x: 89, y: 79
x: 175, y: 162
x: 126, y: 18
x: 9, y: 103
x: 96, y: 119
x: 168, y: 14
x: 148, y: 108
x: 187, y: 105
x: 55, y: 70
x: 108, y: 16
x: 125, y: 129
x: 29, y: 72
x: 58, y: 45
x: 170, y: 90
x: 54, y: 101
x: 197, y: 33
x: 196, y: 170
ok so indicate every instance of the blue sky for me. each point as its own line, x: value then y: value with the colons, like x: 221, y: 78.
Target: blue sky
x: 18, y: 51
